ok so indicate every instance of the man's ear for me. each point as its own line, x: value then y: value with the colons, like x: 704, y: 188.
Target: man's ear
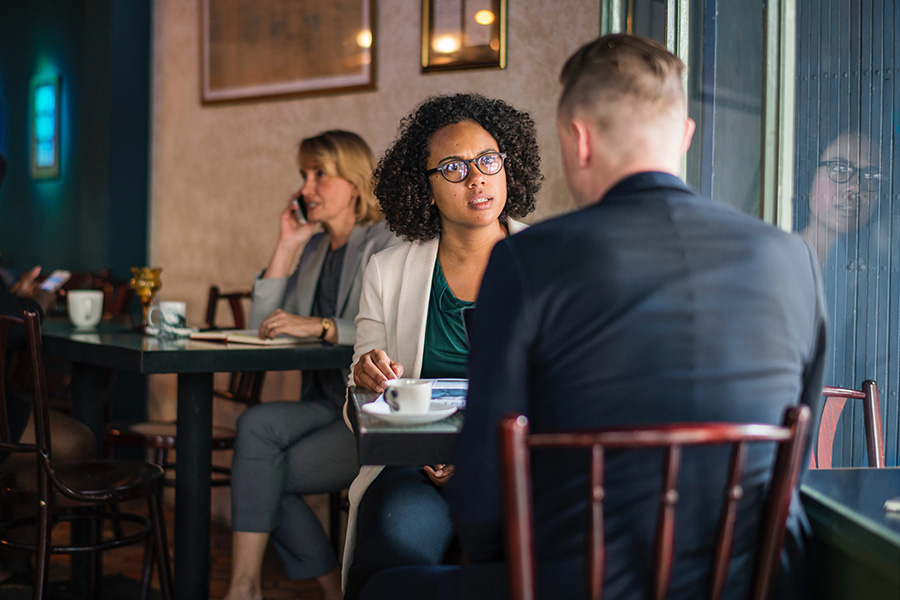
x: 583, y: 141
x: 688, y: 135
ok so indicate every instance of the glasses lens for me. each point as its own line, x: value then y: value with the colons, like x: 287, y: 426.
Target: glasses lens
x: 489, y: 164
x: 454, y: 171
x: 839, y: 172
x: 869, y: 180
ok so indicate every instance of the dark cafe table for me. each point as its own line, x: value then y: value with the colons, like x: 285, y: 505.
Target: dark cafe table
x: 381, y: 443
x: 113, y: 346
x: 855, y: 549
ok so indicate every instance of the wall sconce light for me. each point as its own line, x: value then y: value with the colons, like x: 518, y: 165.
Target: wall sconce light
x: 45, y: 111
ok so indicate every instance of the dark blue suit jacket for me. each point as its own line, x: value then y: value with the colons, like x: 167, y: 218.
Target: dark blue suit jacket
x: 652, y: 306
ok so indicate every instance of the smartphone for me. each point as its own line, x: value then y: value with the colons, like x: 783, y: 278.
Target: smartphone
x: 300, y: 210
x: 55, y: 280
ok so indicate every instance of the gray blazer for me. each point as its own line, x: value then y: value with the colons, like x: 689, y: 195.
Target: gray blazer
x: 295, y: 294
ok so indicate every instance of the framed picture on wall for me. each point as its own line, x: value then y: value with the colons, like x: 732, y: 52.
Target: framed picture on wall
x: 463, y: 34
x: 275, y: 47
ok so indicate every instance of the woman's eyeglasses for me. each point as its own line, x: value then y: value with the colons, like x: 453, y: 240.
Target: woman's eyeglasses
x: 840, y: 171
x: 455, y: 171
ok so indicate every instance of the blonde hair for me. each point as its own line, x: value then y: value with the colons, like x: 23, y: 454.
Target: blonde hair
x: 623, y: 80
x: 346, y: 155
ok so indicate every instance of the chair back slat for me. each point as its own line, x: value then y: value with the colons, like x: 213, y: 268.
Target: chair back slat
x: 519, y: 511
x: 5, y: 324
x: 665, y: 524
x: 34, y: 348
x: 516, y: 444
x: 597, y: 550
x: 245, y: 386
x: 784, y: 478
x: 725, y: 541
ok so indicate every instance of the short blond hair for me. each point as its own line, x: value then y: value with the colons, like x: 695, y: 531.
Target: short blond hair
x: 622, y: 79
x: 346, y: 155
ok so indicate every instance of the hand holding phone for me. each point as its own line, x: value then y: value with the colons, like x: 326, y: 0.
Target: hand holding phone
x: 55, y: 281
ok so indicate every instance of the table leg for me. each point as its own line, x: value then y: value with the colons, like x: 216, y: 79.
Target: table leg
x: 89, y: 397
x: 192, y: 486
x: 89, y: 407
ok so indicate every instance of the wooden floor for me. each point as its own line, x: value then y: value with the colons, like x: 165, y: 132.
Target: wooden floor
x: 122, y: 571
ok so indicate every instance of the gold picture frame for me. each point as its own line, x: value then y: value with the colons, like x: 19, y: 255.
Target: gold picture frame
x: 463, y: 34
x: 284, y: 47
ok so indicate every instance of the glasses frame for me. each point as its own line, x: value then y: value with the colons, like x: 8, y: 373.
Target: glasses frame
x: 466, y: 163
x: 869, y: 180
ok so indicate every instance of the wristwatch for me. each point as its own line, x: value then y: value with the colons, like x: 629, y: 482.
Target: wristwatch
x: 326, y: 325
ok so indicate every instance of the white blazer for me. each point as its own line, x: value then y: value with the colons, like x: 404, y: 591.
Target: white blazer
x: 393, y: 311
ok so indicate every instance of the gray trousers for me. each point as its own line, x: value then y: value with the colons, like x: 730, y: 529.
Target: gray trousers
x: 284, y: 450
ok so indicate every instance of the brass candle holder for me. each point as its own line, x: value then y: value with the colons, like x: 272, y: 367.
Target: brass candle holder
x: 145, y: 282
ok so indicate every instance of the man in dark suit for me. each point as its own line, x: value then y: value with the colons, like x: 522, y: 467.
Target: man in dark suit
x: 648, y: 305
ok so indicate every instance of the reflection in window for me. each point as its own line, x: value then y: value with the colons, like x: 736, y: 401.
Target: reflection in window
x: 845, y: 203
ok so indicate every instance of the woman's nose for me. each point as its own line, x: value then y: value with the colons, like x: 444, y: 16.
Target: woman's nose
x: 474, y: 176
x: 309, y: 187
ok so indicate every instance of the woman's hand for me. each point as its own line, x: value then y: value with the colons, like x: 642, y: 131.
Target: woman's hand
x: 439, y: 474
x: 281, y: 322
x: 27, y: 283
x: 292, y: 235
x: 374, y: 368
x: 291, y: 230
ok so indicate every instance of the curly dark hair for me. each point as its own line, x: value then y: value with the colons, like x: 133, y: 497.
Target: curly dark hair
x: 403, y: 189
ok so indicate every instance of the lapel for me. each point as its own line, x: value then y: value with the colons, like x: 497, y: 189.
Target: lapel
x: 351, y: 266
x: 413, y: 301
x: 309, y: 278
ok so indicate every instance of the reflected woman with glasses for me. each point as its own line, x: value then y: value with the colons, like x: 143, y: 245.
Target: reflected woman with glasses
x: 843, y: 192
x: 841, y: 227
x: 462, y: 168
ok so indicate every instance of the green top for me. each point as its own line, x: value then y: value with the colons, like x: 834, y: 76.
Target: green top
x: 446, y: 346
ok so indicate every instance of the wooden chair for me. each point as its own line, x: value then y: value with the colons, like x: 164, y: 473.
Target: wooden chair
x: 517, y: 443
x: 81, y: 492
x: 243, y: 387
x: 835, y: 400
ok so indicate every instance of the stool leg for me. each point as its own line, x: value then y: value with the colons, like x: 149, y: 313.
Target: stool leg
x: 42, y: 557
x: 162, y: 545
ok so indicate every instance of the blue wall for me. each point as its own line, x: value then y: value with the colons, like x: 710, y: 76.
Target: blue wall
x: 94, y: 215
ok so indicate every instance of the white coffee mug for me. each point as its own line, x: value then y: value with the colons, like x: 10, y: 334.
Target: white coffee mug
x: 171, y: 318
x: 85, y: 307
x: 408, y: 395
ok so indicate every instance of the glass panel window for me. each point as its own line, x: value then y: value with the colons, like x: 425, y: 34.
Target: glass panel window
x: 846, y: 203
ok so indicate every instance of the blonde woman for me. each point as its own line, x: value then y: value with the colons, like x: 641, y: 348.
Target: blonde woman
x: 287, y: 449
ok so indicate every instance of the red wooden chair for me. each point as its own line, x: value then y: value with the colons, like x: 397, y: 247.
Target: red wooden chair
x: 516, y: 443
x: 161, y: 437
x: 76, y: 491
x: 835, y: 400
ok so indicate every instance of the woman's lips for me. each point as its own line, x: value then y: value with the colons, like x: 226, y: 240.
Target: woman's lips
x: 480, y: 202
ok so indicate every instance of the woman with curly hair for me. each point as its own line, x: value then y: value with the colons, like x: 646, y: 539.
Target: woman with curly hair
x: 461, y: 169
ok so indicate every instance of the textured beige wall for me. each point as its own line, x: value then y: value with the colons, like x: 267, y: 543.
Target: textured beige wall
x: 221, y: 173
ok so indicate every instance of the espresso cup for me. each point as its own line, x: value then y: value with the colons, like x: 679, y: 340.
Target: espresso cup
x: 171, y: 318
x: 408, y: 395
x: 85, y: 307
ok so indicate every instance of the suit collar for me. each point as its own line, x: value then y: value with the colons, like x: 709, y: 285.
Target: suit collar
x: 642, y: 182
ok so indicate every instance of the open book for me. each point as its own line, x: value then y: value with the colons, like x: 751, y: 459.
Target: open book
x: 250, y: 336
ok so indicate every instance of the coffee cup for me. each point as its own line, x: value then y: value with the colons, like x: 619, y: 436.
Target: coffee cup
x: 408, y: 396
x: 85, y: 307
x: 171, y: 319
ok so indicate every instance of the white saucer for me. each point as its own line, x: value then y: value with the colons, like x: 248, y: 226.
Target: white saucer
x: 381, y: 410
